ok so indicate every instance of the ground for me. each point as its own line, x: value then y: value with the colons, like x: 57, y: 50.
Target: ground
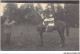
x: 26, y: 38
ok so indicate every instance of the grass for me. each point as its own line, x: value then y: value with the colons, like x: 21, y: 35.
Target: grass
x: 30, y: 40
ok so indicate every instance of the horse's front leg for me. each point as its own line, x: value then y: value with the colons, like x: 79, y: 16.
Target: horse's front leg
x: 41, y: 38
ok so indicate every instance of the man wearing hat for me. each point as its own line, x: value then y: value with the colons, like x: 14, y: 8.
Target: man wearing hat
x: 48, y: 20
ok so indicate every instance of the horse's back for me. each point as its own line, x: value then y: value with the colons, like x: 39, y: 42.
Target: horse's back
x: 60, y: 22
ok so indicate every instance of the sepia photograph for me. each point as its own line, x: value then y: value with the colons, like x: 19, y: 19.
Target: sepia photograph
x: 39, y: 26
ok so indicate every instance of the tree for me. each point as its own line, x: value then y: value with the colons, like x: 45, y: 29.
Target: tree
x: 10, y: 11
x: 72, y: 14
x: 29, y: 14
x: 60, y: 14
x: 39, y: 8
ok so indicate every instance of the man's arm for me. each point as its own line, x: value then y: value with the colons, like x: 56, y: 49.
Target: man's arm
x: 9, y: 24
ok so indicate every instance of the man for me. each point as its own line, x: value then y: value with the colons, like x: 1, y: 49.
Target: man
x: 48, y: 12
x: 48, y: 20
x: 7, y: 29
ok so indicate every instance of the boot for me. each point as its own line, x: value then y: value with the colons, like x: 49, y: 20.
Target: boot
x: 46, y: 28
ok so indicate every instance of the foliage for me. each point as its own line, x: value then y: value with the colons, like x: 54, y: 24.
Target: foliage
x: 27, y: 13
x: 72, y: 14
x: 9, y: 12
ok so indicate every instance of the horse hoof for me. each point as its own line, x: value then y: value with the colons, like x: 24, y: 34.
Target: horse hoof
x: 41, y: 45
x: 61, y: 45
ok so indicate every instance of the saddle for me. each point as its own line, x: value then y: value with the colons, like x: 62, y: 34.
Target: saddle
x: 49, y: 24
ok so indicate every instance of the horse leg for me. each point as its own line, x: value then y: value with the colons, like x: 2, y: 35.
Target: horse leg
x: 62, y: 37
x: 41, y: 37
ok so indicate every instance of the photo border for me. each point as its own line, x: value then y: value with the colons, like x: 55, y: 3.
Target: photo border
x: 39, y: 1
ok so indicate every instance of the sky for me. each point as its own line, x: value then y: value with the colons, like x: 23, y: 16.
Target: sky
x: 2, y: 6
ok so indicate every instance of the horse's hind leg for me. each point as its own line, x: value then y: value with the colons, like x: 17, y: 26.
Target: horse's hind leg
x: 62, y: 39
x: 61, y: 32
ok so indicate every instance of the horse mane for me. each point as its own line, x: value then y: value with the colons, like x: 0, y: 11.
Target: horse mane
x: 38, y: 15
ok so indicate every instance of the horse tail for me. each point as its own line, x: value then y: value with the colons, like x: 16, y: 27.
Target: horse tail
x: 67, y: 29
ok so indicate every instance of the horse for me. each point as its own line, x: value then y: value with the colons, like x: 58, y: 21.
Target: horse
x: 59, y: 25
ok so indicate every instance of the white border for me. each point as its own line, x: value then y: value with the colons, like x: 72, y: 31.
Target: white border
x: 39, y: 52
x: 79, y: 25
x: 0, y: 31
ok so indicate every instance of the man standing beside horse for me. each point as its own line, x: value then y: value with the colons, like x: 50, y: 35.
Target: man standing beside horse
x: 7, y: 29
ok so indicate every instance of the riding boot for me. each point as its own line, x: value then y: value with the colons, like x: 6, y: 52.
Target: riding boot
x: 46, y: 28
